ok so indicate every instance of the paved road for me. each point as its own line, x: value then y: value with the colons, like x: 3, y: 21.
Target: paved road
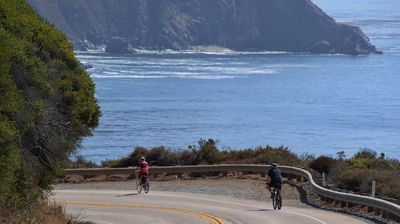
x: 120, y: 207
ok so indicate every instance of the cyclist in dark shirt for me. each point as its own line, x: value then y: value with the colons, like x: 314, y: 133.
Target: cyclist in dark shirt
x: 276, y: 178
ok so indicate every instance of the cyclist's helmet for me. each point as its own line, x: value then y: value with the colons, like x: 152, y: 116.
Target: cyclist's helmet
x: 274, y: 165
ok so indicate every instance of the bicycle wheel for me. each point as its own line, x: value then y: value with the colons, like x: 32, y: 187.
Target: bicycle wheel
x: 279, y: 201
x: 146, y: 186
x: 138, y: 185
x: 275, y: 200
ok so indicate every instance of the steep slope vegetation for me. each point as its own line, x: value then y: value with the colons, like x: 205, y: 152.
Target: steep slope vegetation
x: 46, y: 105
x: 251, y: 25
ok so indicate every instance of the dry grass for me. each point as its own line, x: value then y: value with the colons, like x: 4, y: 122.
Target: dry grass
x: 51, y: 213
x: 55, y: 214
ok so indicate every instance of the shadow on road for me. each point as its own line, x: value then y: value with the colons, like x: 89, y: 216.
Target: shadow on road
x: 260, y: 210
x: 126, y: 195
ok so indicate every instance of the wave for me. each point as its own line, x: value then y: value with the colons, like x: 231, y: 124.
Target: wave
x: 395, y: 49
x: 206, y: 77
x: 111, y: 73
x: 195, y: 72
x: 211, y: 77
x: 122, y: 64
x: 126, y: 76
x: 91, y: 53
x: 217, y: 51
x: 200, y: 71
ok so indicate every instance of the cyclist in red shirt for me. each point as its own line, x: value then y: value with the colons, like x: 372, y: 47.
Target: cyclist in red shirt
x: 143, y: 169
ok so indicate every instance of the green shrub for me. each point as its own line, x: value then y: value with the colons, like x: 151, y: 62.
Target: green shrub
x: 208, y: 152
x: 47, y: 104
x: 358, y: 172
x: 188, y: 157
x: 365, y: 153
x: 81, y: 162
x: 353, y: 179
x: 323, y: 164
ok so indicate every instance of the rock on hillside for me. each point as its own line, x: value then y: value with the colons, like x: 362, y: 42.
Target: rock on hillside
x: 250, y: 25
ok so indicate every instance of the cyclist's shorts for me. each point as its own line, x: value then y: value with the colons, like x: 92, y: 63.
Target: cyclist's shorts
x: 276, y: 185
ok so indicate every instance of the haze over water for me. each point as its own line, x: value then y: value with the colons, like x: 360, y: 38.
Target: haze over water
x: 316, y: 104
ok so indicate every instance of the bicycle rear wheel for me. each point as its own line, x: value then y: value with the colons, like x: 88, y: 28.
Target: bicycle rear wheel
x: 138, y: 185
x: 279, y: 203
x: 279, y: 200
x: 275, y: 200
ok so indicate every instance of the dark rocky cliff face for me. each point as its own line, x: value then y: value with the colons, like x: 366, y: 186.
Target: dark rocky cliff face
x: 246, y: 25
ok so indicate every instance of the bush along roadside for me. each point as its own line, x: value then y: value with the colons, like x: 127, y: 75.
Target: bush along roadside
x: 354, y: 174
x: 207, y: 153
x: 47, y: 105
x: 357, y: 173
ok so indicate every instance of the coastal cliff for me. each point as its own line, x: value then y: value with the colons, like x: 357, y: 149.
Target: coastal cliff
x: 251, y: 25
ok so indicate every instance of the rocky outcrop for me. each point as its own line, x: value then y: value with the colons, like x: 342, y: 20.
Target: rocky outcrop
x: 119, y: 45
x: 245, y: 25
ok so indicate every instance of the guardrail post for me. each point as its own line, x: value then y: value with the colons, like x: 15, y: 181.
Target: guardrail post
x: 373, y: 193
x: 393, y: 217
x: 370, y: 209
x: 336, y: 202
x: 323, y: 179
x: 384, y: 214
x: 377, y: 212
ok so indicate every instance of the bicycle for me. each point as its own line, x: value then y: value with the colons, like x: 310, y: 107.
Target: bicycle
x: 277, y: 198
x: 140, y: 185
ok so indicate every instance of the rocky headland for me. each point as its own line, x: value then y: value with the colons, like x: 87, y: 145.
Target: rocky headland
x: 121, y: 26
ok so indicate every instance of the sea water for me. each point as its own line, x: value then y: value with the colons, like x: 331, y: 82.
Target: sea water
x: 315, y: 104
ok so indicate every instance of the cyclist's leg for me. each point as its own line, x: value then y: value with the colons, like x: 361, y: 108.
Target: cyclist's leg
x: 279, y: 188
x: 270, y: 186
x: 144, y: 178
x: 140, y: 178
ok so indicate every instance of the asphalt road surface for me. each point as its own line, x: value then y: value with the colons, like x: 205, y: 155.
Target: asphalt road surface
x: 157, y: 207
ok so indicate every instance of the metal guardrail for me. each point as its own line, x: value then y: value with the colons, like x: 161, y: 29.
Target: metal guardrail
x: 387, y: 210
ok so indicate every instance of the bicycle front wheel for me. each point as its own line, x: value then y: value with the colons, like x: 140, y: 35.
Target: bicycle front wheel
x: 138, y: 185
x: 279, y: 201
x: 146, y: 186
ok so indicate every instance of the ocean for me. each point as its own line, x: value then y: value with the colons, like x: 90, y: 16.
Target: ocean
x: 314, y: 104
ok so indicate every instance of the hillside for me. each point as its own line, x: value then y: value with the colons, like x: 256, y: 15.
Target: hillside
x: 47, y: 105
x: 253, y: 25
